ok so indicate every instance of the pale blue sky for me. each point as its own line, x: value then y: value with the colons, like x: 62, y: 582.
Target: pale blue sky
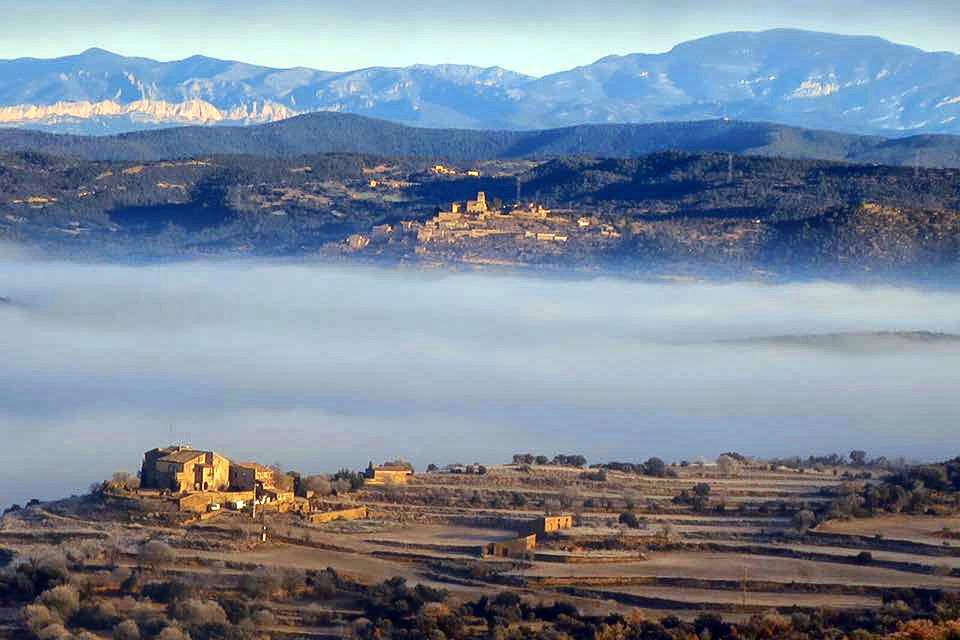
x: 532, y: 37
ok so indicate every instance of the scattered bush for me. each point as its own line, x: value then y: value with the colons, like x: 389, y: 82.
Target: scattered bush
x: 63, y: 601
x: 126, y: 630
x: 264, y: 618
x: 99, y: 615
x: 198, y: 612
x: 630, y: 519
x: 168, y: 591
x: 172, y: 633
x: 54, y: 632
x: 156, y: 554
x: 38, y: 616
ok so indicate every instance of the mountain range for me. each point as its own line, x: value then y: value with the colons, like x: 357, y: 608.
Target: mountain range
x: 854, y: 84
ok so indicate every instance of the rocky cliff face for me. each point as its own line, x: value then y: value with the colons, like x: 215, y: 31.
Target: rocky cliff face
x: 194, y: 111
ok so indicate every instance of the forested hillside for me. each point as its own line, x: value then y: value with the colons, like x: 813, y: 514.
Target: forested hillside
x: 344, y: 133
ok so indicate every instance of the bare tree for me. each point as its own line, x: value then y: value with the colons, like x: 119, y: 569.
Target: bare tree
x: 319, y: 484
x: 281, y: 480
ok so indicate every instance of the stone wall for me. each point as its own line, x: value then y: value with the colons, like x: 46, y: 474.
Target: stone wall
x: 513, y: 548
x: 355, y: 513
x: 198, y: 502
x: 550, y: 524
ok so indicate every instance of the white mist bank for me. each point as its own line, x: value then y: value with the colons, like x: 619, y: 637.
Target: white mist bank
x: 322, y: 367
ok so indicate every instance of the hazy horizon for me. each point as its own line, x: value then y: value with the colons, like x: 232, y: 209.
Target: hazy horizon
x: 319, y: 367
x: 524, y: 37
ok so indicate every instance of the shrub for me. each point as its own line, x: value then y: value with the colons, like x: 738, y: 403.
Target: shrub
x: 804, y: 520
x: 728, y: 465
x: 292, y: 580
x: 126, y: 630
x: 64, y: 601
x: 262, y: 583
x: 199, y: 612
x: 264, y: 618
x: 655, y: 467
x: 319, y: 484
x: 97, y: 615
x: 630, y: 519
x: 235, y: 608
x: 131, y: 584
x: 33, y: 575
x: 600, y: 475
x: 38, y: 616
x: 124, y: 480
x: 54, y: 632
x: 172, y: 633
x: 167, y: 592
x: 156, y: 553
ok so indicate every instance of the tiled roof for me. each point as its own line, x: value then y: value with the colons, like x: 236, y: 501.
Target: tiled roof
x: 252, y: 465
x: 181, y: 457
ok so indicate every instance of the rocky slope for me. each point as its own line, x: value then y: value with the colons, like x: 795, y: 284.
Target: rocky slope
x: 855, y: 84
x: 108, y: 115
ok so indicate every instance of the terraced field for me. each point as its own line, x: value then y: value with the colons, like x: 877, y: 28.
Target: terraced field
x: 737, y: 553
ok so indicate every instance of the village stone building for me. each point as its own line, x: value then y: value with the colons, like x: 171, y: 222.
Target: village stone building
x: 479, y: 205
x: 249, y: 476
x: 180, y: 468
x: 387, y: 474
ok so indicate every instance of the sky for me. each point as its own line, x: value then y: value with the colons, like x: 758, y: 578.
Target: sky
x: 321, y: 367
x: 531, y: 37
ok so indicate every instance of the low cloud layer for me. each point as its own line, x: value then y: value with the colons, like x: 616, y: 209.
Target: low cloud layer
x: 322, y: 367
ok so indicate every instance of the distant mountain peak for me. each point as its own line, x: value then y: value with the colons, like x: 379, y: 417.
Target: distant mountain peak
x: 98, y: 52
x: 856, y: 84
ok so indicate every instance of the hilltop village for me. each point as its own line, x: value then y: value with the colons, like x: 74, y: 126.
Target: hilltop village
x: 483, y: 231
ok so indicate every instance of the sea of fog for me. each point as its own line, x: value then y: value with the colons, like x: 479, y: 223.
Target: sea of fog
x: 320, y: 367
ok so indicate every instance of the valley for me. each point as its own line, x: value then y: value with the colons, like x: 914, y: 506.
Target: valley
x: 442, y: 321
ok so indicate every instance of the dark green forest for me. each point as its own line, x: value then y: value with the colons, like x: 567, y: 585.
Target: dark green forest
x: 345, y: 133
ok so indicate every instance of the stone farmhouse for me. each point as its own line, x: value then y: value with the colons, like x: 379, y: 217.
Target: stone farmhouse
x: 180, y: 468
x: 203, y: 482
x: 387, y: 474
x: 526, y: 542
x: 206, y: 477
